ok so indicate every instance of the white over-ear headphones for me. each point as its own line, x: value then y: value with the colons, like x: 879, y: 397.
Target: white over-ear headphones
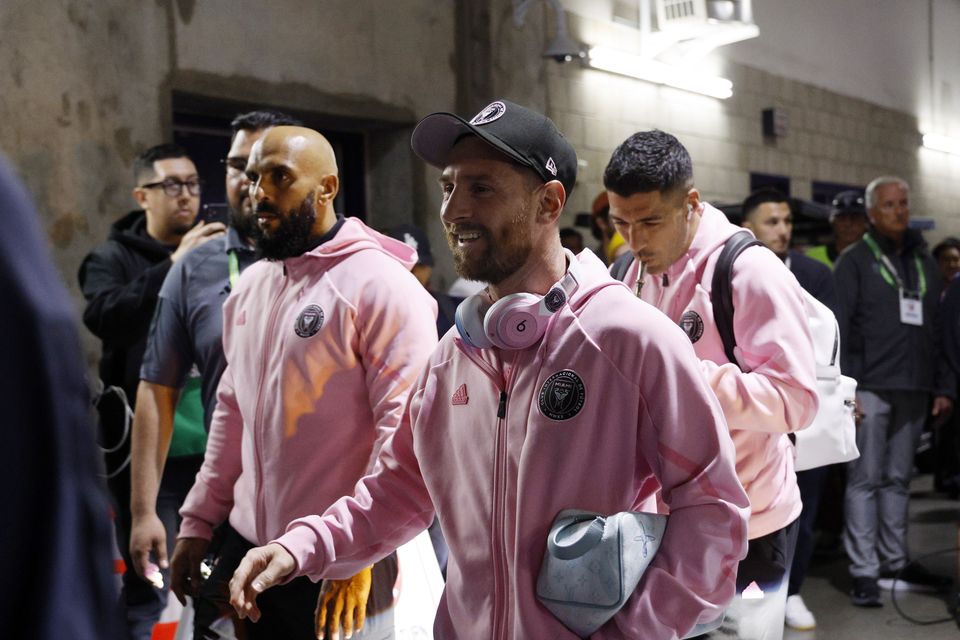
x: 516, y: 321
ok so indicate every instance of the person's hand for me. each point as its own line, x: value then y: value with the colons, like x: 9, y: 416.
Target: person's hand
x: 348, y: 601
x: 203, y: 232
x: 260, y: 569
x: 147, y: 535
x: 858, y: 415
x: 942, y: 408
x: 185, y: 578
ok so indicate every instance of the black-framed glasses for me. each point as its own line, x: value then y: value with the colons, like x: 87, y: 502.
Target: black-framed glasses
x: 173, y: 187
x: 237, y: 164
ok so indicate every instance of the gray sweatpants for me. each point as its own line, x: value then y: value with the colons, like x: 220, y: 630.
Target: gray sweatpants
x: 878, y: 482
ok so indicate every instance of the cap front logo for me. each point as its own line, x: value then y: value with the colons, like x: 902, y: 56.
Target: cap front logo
x: 491, y: 112
x: 551, y: 166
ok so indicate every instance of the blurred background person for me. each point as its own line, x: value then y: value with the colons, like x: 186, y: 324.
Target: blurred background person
x: 571, y: 239
x: 56, y: 531
x: 849, y: 221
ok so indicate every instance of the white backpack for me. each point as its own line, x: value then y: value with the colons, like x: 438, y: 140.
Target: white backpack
x: 832, y: 436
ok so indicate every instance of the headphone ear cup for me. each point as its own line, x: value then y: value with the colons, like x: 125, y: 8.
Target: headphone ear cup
x: 514, y: 322
x: 469, y: 320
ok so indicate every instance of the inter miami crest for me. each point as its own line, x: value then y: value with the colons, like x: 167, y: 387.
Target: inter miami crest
x: 554, y: 299
x: 562, y: 395
x: 692, y: 325
x: 491, y: 112
x: 309, y: 321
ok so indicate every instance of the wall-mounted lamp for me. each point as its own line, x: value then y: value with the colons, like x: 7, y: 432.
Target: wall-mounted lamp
x: 657, y: 72
x: 562, y: 48
x: 946, y: 144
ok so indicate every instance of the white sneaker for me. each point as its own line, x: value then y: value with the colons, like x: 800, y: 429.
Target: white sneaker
x: 797, y: 616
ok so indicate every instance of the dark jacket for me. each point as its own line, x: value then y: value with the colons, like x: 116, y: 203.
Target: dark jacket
x: 56, y: 529
x: 882, y: 353
x: 816, y: 278
x: 121, y: 280
x: 950, y: 324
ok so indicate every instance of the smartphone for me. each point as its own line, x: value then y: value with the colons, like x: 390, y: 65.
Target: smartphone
x: 214, y: 212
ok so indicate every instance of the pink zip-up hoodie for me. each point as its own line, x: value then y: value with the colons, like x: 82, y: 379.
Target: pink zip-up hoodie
x: 497, y: 443
x: 776, y: 392
x: 322, y: 351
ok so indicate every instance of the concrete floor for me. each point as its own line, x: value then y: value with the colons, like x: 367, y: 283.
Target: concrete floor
x: 933, y: 526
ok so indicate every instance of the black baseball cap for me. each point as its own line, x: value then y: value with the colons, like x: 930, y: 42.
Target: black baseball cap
x: 415, y: 238
x: 525, y: 136
x: 847, y: 203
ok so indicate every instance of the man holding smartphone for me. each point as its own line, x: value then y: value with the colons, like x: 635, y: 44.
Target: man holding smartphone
x: 186, y: 331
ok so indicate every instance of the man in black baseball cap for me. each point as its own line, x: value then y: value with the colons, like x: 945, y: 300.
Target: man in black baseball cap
x: 849, y: 221
x: 525, y: 136
x: 511, y: 421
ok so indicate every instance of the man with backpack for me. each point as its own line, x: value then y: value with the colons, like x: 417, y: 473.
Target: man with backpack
x: 767, y: 213
x: 766, y: 386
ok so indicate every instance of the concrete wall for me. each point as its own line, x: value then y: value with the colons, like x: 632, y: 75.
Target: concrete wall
x: 833, y: 137
x: 88, y: 85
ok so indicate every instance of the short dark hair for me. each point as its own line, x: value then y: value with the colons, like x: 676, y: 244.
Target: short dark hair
x: 570, y: 232
x: 143, y: 164
x: 947, y: 243
x: 261, y: 119
x: 762, y: 196
x: 648, y: 161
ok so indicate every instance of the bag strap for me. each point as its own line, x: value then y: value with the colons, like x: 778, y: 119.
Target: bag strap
x: 621, y: 265
x: 721, y: 291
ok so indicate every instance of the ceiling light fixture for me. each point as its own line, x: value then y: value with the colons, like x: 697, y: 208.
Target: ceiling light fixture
x: 657, y: 72
x: 946, y: 144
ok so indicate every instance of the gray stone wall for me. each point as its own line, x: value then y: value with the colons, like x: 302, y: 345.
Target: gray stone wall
x: 88, y: 85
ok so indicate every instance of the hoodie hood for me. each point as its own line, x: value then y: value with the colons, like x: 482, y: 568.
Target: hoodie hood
x: 355, y: 236
x: 592, y: 277
x: 683, y: 275
x: 131, y: 230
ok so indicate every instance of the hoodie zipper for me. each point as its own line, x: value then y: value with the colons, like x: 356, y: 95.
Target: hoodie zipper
x: 498, y: 544
x: 258, y: 414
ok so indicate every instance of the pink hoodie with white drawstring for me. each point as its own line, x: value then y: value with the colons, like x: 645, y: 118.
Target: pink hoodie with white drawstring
x: 775, y: 393
x: 497, y: 443
x: 322, y: 350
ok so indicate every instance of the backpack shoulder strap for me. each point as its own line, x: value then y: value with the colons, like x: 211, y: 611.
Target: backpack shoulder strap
x: 621, y: 265
x: 721, y: 293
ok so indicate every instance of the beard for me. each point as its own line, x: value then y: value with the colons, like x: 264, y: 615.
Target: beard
x: 246, y: 225
x: 294, y: 233
x: 506, y: 250
x: 242, y: 218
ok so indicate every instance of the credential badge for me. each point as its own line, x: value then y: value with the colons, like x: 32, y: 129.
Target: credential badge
x: 562, y: 395
x: 309, y: 321
x: 491, y: 112
x: 692, y: 325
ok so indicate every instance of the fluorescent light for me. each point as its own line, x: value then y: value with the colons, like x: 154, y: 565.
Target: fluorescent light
x: 657, y: 72
x: 947, y: 144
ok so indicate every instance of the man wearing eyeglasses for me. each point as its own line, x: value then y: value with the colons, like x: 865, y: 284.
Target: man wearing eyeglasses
x: 121, y: 280
x: 186, y: 331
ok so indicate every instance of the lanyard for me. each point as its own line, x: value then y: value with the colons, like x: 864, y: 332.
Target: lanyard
x: 234, y: 267
x: 889, y: 272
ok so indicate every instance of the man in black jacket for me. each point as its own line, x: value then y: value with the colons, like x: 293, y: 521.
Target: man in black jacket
x: 56, y: 532
x: 889, y: 288
x: 768, y: 214
x: 120, y: 280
